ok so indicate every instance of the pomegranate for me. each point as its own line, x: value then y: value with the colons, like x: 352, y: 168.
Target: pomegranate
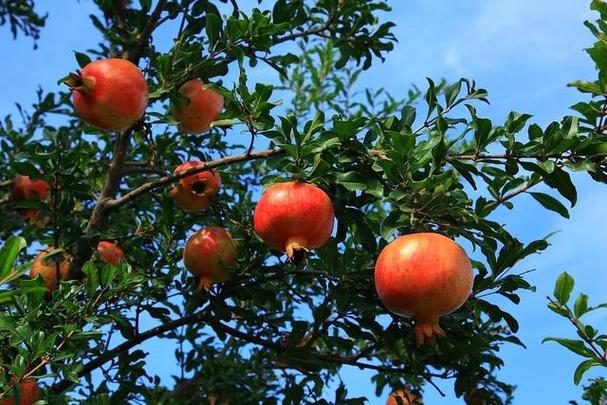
x: 110, y: 252
x: 28, y: 393
x: 208, y: 254
x: 193, y: 193
x: 197, y: 107
x: 294, y: 217
x: 47, y: 268
x: 24, y: 188
x: 110, y: 94
x: 424, y: 276
x: 406, y: 398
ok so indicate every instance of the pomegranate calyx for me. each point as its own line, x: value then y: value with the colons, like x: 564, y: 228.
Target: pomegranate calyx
x: 427, y: 331
x: 199, y: 188
x: 76, y: 82
x: 296, y: 252
x: 205, y: 283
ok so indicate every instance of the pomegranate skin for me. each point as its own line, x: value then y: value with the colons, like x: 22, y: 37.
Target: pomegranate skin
x: 110, y: 94
x: 423, y: 276
x: 28, y: 393
x: 110, y: 252
x: 24, y: 188
x: 47, y: 268
x: 208, y: 254
x: 294, y: 217
x: 204, y: 107
x: 406, y: 397
x: 193, y: 193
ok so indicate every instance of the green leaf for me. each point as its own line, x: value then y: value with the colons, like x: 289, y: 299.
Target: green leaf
x: 108, y: 273
x: 355, y: 181
x: 563, y: 288
x: 581, y: 305
x: 390, y: 224
x: 582, y: 368
x: 213, y: 27
x: 551, y: 203
x: 576, y: 346
x: 92, y: 277
x: 561, y: 181
x: 82, y: 59
x: 586, y: 87
x: 9, y: 253
x: 452, y: 92
x: 145, y: 5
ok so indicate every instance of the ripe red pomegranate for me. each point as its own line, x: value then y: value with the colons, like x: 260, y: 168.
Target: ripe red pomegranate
x: 208, y: 254
x: 294, y: 217
x: 198, y: 106
x: 47, y: 268
x: 424, y: 276
x: 193, y: 193
x: 110, y: 94
x: 25, y: 188
x: 110, y: 252
x: 406, y: 398
x: 28, y: 393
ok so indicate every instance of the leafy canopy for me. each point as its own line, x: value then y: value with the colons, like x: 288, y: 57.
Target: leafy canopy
x: 392, y: 163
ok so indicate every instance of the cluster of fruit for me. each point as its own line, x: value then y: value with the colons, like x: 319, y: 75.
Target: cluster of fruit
x: 421, y: 275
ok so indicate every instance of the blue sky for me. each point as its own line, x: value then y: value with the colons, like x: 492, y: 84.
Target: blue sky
x: 524, y: 52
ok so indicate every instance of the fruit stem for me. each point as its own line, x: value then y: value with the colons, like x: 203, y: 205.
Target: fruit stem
x: 76, y: 82
x: 296, y: 252
x: 426, y: 331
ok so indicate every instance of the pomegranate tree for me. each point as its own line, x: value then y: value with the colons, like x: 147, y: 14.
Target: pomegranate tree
x: 47, y: 266
x: 294, y: 217
x: 197, y: 106
x: 423, y: 276
x: 193, y: 193
x: 110, y: 252
x: 110, y: 94
x: 28, y: 393
x: 24, y: 188
x: 208, y: 254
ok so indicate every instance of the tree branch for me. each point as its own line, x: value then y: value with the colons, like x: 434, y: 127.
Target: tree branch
x: 100, y: 211
x: 108, y: 355
x: 114, y: 177
x: 205, y: 316
x: 306, y: 33
x: 145, y: 35
x: 166, y: 180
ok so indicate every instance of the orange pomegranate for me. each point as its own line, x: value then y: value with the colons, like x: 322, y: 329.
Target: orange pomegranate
x: 208, y: 254
x: 110, y: 94
x: 197, y: 107
x: 28, y: 393
x: 24, y: 188
x: 110, y: 252
x: 47, y: 267
x: 405, y: 397
x: 294, y: 217
x: 193, y: 193
x: 423, y: 276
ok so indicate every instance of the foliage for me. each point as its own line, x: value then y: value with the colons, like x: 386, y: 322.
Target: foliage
x: 392, y: 164
x: 21, y: 16
x: 591, y: 344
